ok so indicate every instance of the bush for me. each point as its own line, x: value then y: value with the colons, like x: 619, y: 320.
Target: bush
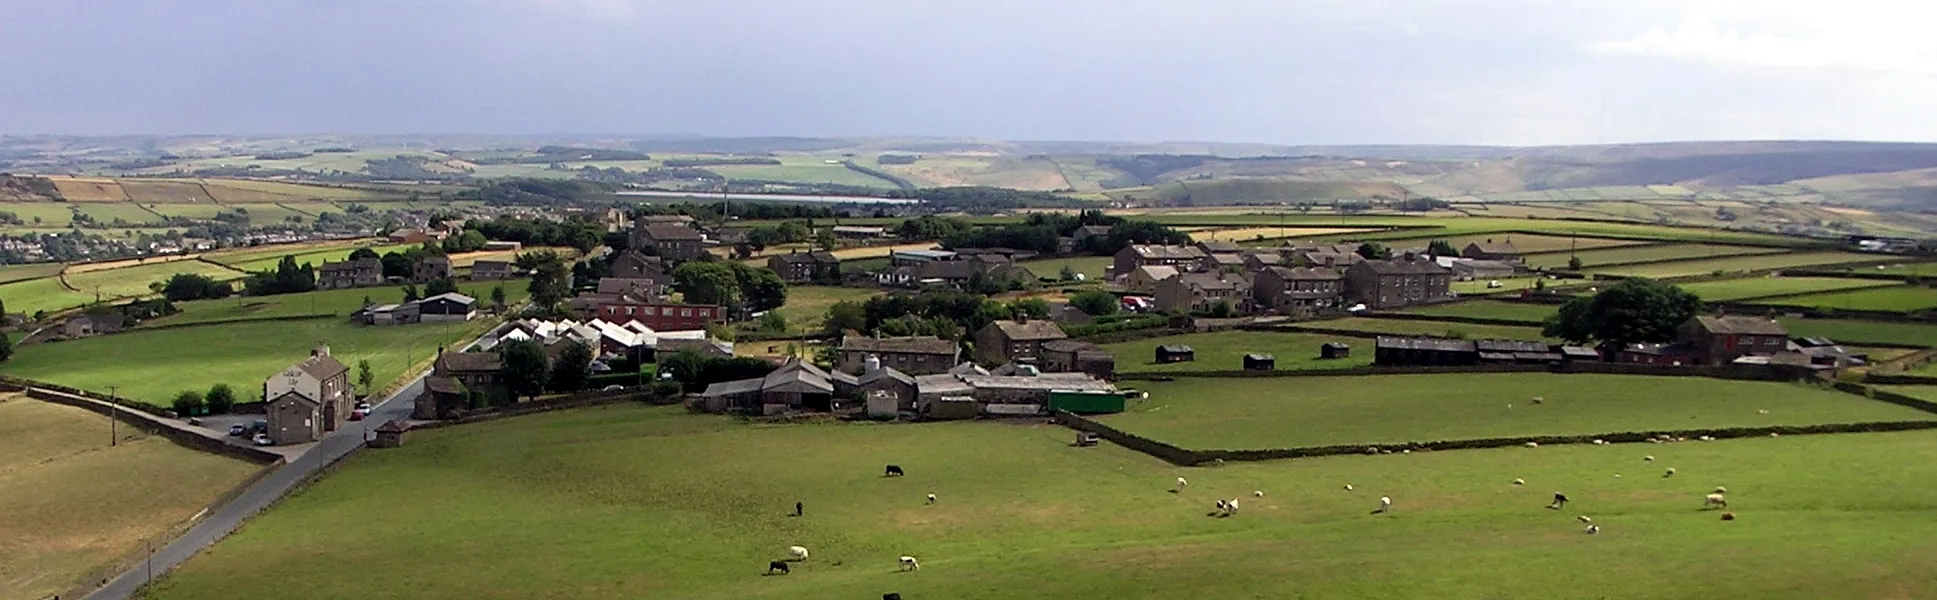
x: 666, y: 389
x: 220, y: 399
x: 187, y: 403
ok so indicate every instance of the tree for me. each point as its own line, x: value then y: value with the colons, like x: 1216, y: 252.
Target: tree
x: 1573, y: 263
x: 497, y: 296
x: 410, y: 293
x: 469, y: 241
x: 846, y: 315
x: 708, y: 283
x: 1441, y: 248
x: 825, y: 239
x: 773, y: 322
x: 525, y: 369
x: 1374, y: 251
x: 365, y: 377
x: 573, y: 368
x: 395, y: 264
x: 550, y: 283
x: 1097, y: 303
x: 441, y: 285
x: 192, y: 286
x: 1222, y: 309
x: 6, y: 347
x: 760, y: 287
x: 1031, y: 307
x: 1635, y: 310
x: 363, y: 253
x: 187, y: 402
x: 684, y: 366
x: 220, y: 398
x: 1068, y: 273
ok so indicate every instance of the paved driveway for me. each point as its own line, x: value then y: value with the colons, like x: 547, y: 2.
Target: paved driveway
x: 224, y: 520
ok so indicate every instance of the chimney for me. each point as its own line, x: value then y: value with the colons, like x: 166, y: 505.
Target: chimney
x: 1022, y: 318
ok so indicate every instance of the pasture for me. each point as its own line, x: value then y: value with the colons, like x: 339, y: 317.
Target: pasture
x: 794, y: 169
x: 1255, y: 413
x: 1633, y: 254
x: 339, y: 303
x: 119, y: 213
x: 587, y: 498
x: 1092, y: 267
x: 133, y: 281
x: 23, y: 272
x: 1902, y: 298
x: 50, y: 214
x: 1427, y: 328
x: 1742, y: 263
x: 1489, y: 309
x: 1851, y: 331
x: 71, y: 506
x: 151, y: 366
x: 1726, y: 290
x: 268, y: 259
x: 806, y: 307
x: 1525, y: 243
x: 1225, y: 350
x: 151, y: 191
x: 46, y: 293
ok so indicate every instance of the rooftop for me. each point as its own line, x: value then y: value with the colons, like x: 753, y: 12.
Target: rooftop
x: 1166, y: 252
x: 1741, y: 325
x: 661, y: 233
x: 1401, y: 266
x: 919, y: 344
x: 1424, y: 343
x: 1032, y: 330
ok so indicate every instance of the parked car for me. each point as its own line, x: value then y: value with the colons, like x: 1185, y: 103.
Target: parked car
x: 262, y: 439
x: 237, y: 430
x: 357, y: 415
x: 259, y: 426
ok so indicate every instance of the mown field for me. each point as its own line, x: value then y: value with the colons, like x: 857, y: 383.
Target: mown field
x: 806, y: 307
x: 1903, y: 298
x: 151, y: 366
x: 1429, y: 328
x: 1092, y: 267
x: 1559, y: 260
x: 13, y: 273
x: 1488, y: 309
x: 1225, y: 350
x: 1250, y: 413
x: 1852, y: 331
x: 1759, y: 287
x: 335, y: 302
x: 70, y: 504
x: 34, y: 295
x: 587, y: 497
x: 1741, y: 263
x: 133, y: 281
x: 268, y: 259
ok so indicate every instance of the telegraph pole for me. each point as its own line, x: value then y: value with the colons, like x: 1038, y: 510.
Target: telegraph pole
x: 114, y: 414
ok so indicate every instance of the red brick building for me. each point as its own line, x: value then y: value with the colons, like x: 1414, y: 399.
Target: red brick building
x: 662, y: 316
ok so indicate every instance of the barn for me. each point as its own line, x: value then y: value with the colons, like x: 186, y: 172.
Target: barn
x: 1260, y: 362
x: 1175, y: 354
x: 1334, y: 350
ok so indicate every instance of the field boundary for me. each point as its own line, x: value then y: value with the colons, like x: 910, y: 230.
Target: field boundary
x: 1402, y: 316
x: 147, y: 421
x: 1730, y: 372
x: 165, y: 326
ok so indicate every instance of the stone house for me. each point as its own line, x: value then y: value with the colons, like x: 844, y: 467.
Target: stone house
x: 309, y: 399
x: 1198, y: 292
x: 491, y: 269
x: 1721, y: 339
x: 1183, y: 258
x: 1298, y: 291
x: 914, y: 355
x: 672, y: 242
x: 84, y: 325
x: 634, y: 264
x: 1398, y: 283
x: 1072, y: 356
x: 362, y: 272
x: 1145, y: 279
x: 1502, y: 251
x: 1017, y: 341
x: 431, y: 268
x: 803, y: 267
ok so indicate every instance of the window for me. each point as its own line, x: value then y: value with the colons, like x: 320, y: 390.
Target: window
x: 685, y: 312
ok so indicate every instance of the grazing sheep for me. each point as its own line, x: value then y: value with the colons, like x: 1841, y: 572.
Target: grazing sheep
x: 1231, y: 506
x: 1600, y: 442
x: 776, y: 565
x: 1533, y: 444
x: 1519, y: 482
x: 1539, y: 400
x: 1180, y: 485
x: 797, y: 552
x: 908, y: 563
x: 1560, y: 500
x: 1714, y: 501
x: 1774, y: 434
x: 893, y: 471
x: 931, y: 498
x: 1617, y: 475
x: 1649, y: 458
x: 1728, y: 516
x: 1669, y: 473
x: 1348, y: 487
x: 1584, y: 519
x: 1593, y: 529
x: 1706, y: 438
x: 1763, y: 411
x: 1221, y: 507
x: 1385, y: 504
x: 1721, y: 490
x: 1257, y: 494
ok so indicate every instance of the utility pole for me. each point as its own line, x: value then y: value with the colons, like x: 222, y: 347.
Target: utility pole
x: 114, y: 414
x: 151, y: 563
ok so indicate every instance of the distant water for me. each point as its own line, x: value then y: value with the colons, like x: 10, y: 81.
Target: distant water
x: 768, y: 197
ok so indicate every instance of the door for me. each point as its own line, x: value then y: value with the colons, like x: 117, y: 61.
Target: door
x: 329, y: 416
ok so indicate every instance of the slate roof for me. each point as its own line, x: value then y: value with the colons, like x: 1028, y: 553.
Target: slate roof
x: 1219, y: 246
x: 736, y: 387
x: 350, y: 266
x: 1741, y: 325
x: 442, y: 385
x: 1400, y: 266
x: 1424, y: 343
x: 1088, y: 231
x: 452, y: 296
x: 471, y: 362
x: 1158, y: 272
x: 919, y: 344
x: 886, y: 373
x: 808, y: 257
x: 322, y: 367
x: 1305, y: 273
x: 1490, y: 247
x: 1166, y: 252
x: 662, y: 233
x: 1032, y: 330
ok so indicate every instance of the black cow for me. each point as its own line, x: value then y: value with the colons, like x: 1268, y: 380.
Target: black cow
x: 1560, y: 500
x: 893, y: 471
x: 891, y: 596
x: 777, y: 565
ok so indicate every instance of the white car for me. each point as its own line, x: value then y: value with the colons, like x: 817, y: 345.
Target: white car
x: 262, y: 439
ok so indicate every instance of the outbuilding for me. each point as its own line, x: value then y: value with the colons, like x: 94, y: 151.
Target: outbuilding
x: 1334, y: 350
x: 1086, y: 402
x: 1260, y: 362
x: 391, y: 434
x: 1171, y: 353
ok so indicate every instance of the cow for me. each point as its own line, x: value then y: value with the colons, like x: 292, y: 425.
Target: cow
x: 893, y: 471
x: 777, y: 565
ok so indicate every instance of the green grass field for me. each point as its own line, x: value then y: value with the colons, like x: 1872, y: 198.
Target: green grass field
x: 1903, y: 298
x: 133, y: 281
x: 1523, y: 242
x: 1741, y: 263
x: 1250, y: 413
x: 13, y: 273
x: 1092, y: 267
x: 802, y: 170
x: 1225, y: 350
x: 1428, y: 328
x: 1922, y: 269
x: 107, y: 212
x: 807, y: 305
x: 1453, y: 227
x: 265, y: 260
x: 587, y: 498
x: 71, y: 505
x: 338, y: 302
x: 51, y: 214
x: 1591, y: 258
x: 152, y: 366
x: 1759, y: 287
x: 1852, y: 331
x: 46, y: 293
x: 1488, y: 309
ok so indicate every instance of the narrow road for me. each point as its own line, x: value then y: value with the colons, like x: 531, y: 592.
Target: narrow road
x: 226, y: 519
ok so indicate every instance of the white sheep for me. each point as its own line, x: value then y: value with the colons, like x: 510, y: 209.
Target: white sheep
x: 1257, y: 494
x: 1584, y: 519
x: 931, y: 498
x: 1669, y: 473
x: 1181, y: 484
x: 1714, y: 501
x: 1762, y: 411
x: 1706, y: 438
x: 1600, y: 442
x: 1533, y: 444
x: 1385, y: 503
x: 1649, y: 458
x: 908, y: 563
x: 1519, y: 482
x: 1721, y: 490
x: 1231, y: 507
x: 797, y: 552
x: 1593, y: 529
x: 1348, y: 487
x: 1538, y: 400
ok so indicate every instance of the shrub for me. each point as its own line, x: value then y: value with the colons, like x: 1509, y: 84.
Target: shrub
x: 220, y: 399
x: 187, y: 403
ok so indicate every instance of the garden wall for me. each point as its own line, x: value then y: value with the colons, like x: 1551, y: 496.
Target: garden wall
x: 154, y: 424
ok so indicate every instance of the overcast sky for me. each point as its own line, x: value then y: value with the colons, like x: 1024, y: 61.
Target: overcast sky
x: 1280, y: 71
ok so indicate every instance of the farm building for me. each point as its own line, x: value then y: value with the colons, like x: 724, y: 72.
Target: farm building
x: 1422, y: 351
x: 914, y: 355
x: 1069, y: 314
x: 795, y: 385
x: 1489, y: 250
x: 1516, y: 351
x: 1260, y: 362
x: 491, y: 269
x: 1722, y: 339
x: 1175, y: 354
x: 1020, y: 340
x: 1071, y: 356
x: 450, y: 306
x: 1666, y: 355
x: 1332, y: 350
x: 945, y: 408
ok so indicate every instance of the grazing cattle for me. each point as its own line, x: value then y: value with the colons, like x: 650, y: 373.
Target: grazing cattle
x: 777, y: 565
x: 893, y: 471
x: 797, y: 552
x: 1560, y: 500
x: 1593, y: 529
x: 908, y: 563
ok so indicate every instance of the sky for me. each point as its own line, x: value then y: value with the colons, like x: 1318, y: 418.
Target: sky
x: 1500, y: 72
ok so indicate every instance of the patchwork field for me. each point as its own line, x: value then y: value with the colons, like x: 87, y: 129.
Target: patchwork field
x: 1225, y: 350
x: 1903, y: 298
x: 1252, y: 413
x: 244, y: 191
x: 1851, y: 331
x: 588, y: 493
x: 1761, y: 287
x: 268, y: 259
x: 1524, y: 243
x: 51, y: 214
x: 1742, y: 263
x: 71, y: 505
x: 13, y: 273
x: 147, y: 191
x: 1428, y: 328
x: 152, y: 366
x: 1092, y: 267
x: 133, y: 281
x: 1559, y: 260
x: 802, y: 170
x: 73, y: 189
x: 107, y: 213
x: 1246, y: 234
x: 807, y: 305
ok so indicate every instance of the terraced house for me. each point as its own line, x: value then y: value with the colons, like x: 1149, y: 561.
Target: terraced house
x: 672, y: 242
x: 1198, y: 292
x: 1298, y: 291
x: 362, y: 272
x: 1397, y: 283
x: 1183, y: 258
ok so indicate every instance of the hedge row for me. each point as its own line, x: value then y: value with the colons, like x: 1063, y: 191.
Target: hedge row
x: 1133, y: 324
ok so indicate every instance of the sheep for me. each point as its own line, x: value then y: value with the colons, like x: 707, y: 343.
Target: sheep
x: 1669, y: 473
x: 776, y: 565
x: 1721, y: 490
x: 1560, y: 500
x: 1584, y: 519
x: 797, y: 552
x: 1519, y: 482
x: 1348, y: 487
x: 1706, y: 438
x: 1221, y: 507
x: 908, y: 563
x: 1649, y: 458
x: 1617, y: 475
x: 1539, y: 400
x: 1180, y: 485
x: 1763, y: 411
x: 1231, y: 506
x: 1385, y: 504
x: 1533, y: 444
x: 1593, y: 529
x: 931, y: 498
x: 1257, y: 494
x: 1714, y: 501
x: 1728, y: 516
x: 1774, y: 434
x: 1600, y: 442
